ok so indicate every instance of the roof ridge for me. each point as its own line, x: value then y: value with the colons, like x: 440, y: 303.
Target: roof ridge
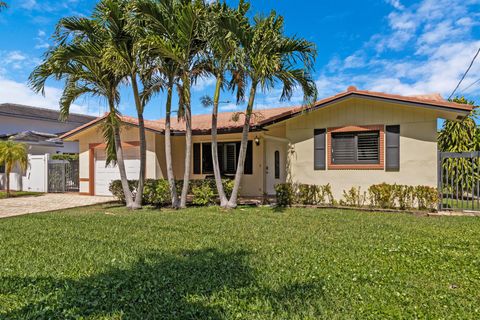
x: 45, y: 109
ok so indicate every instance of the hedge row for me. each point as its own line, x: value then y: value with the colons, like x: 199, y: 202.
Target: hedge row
x: 156, y: 192
x: 386, y: 196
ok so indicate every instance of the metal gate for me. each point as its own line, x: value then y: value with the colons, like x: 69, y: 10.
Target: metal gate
x: 63, y: 176
x: 459, y: 180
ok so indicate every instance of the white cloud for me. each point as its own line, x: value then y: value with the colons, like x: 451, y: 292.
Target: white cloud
x: 28, y: 4
x: 230, y: 107
x: 426, y: 49
x: 396, y: 4
x: 17, y: 92
x: 203, y: 83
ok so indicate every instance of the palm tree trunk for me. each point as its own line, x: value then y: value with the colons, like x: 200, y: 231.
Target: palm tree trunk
x: 216, y: 166
x: 168, y: 148
x: 232, y: 203
x: 120, y: 161
x: 7, y: 177
x: 143, y: 145
x: 188, y: 143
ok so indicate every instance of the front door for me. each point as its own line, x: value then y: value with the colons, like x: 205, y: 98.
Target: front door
x: 275, y: 168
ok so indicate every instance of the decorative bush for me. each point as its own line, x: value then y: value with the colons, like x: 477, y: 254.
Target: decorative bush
x: 427, y: 197
x: 156, y: 192
x: 382, y: 195
x: 117, y: 190
x: 309, y: 194
x: 203, y: 193
x: 354, y: 197
x: 405, y: 196
x: 285, y: 194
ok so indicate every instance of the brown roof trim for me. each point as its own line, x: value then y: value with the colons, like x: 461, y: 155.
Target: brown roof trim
x: 412, y: 101
x: 125, y: 120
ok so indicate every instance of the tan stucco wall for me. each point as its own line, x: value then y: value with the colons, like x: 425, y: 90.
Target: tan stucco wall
x: 252, y: 184
x: 418, y: 144
x: 128, y: 133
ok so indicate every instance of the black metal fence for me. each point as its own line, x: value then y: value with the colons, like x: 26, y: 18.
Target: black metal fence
x: 459, y: 180
x: 63, y: 176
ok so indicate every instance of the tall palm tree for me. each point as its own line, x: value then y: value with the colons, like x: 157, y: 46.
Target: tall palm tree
x: 3, y: 5
x: 121, y: 55
x: 220, y: 59
x: 11, y: 154
x: 150, y: 24
x: 177, y: 36
x: 271, y: 57
x: 77, y: 59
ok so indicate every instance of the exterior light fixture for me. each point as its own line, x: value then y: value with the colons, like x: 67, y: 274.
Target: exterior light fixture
x: 257, y: 140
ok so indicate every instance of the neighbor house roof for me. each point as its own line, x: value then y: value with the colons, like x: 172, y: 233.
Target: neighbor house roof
x: 226, y: 123
x: 29, y: 112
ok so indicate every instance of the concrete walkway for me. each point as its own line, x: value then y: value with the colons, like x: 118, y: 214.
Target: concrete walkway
x: 47, y: 202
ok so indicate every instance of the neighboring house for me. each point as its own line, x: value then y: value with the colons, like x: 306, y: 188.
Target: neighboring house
x: 39, y: 129
x: 355, y: 138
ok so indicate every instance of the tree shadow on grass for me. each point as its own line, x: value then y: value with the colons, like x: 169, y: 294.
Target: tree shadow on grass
x: 158, y: 286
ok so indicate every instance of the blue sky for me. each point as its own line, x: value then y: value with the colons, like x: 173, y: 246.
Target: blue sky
x: 395, y: 46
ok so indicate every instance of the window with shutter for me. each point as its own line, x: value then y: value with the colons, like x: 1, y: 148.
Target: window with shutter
x: 392, y: 152
x: 355, y: 148
x: 319, y: 149
x: 227, y: 158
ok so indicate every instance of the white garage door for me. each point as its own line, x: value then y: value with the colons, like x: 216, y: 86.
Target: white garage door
x: 105, y: 175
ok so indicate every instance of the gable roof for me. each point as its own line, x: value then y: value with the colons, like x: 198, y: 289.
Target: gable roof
x: 29, y: 112
x: 201, y: 124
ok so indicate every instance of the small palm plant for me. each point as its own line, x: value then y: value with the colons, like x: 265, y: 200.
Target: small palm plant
x: 11, y: 154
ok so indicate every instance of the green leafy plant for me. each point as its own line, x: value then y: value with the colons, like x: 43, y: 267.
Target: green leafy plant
x: 203, y: 194
x: 65, y: 156
x: 285, y: 194
x: 404, y: 196
x: 156, y: 192
x: 427, y: 197
x: 354, y: 197
x: 382, y: 195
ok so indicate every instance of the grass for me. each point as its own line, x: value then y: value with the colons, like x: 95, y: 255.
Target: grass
x: 17, y: 194
x: 104, y: 262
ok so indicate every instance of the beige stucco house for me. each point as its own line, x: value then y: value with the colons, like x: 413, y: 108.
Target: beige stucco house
x: 355, y: 138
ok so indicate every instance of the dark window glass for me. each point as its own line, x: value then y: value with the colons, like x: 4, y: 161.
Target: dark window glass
x: 196, y: 158
x: 356, y: 147
x: 277, y: 164
x: 227, y: 157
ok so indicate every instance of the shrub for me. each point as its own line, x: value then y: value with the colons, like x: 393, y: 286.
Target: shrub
x: 404, y: 196
x: 427, y: 197
x: 354, y: 197
x: 310, y: 194
x: 203, y: 193
x: 382, y: 195
x: 227, y: 186
x: 285, y: 194
x: 116, y: 189
x: 156, y: 192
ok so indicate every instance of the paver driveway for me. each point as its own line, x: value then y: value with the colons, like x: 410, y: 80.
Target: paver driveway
x: 47, y: 202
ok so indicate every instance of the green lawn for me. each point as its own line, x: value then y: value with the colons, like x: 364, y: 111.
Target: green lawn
x: 106, y: 263
x: 16, y: 194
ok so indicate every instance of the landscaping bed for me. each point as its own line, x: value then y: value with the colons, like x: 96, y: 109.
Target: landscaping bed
x: 17, y: 194
x: 105, y: 262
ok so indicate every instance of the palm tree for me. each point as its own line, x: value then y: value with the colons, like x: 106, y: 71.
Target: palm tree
x: 271, y: 57
x: 121, y: 56
x: 150, y: 24
x: 11, y: 154
x: 3, y: 5
x: 221, y: 53
x: 78, y: 60
x: 177, y: 36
